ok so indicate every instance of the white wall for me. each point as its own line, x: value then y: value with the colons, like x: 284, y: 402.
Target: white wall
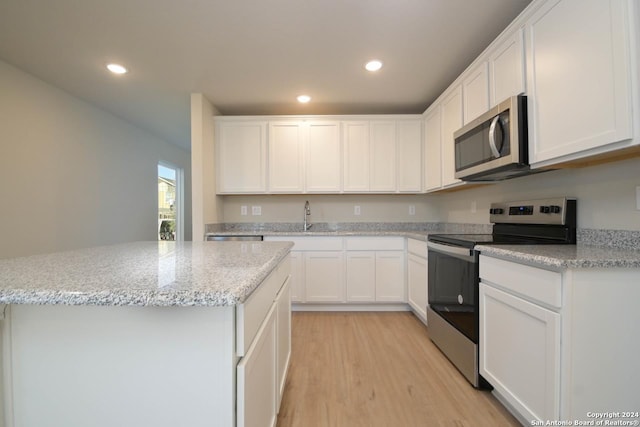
x: 207, y: 207
x: 334, y: 208
x: 605, y: 194
x: 73, y: 175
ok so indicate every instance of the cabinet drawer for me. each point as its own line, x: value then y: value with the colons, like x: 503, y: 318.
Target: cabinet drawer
x: 417, y: 247
x: 301, y: 243
x: 535, y: 284
x: 251, y: 313
x: 374, y: 243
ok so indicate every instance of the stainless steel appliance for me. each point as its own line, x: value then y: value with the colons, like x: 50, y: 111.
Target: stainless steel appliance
x: 494, y: 146
x: 452, y: 311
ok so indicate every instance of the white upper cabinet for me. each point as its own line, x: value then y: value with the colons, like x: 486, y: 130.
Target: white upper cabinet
x: 382, y: 149
x: 433, y: 149
x: 506, y: 69
x: 475, y: 91
x: 242, y: 157
x: 356, y: 156
x: 409, y: 156
x: 579, y: 78
x: 451, y: 122
x: 323, y: 165
x: 286, y: 150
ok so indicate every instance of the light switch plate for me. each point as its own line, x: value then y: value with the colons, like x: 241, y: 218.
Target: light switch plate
x: 356, y: 210
x: 256, y: 210
x: 412, y: 210
x: 243, y: 210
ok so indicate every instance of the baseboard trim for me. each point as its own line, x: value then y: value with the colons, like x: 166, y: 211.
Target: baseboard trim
x: 351, y: 307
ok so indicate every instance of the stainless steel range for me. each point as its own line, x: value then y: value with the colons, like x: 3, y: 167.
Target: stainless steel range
x: 452, y: 312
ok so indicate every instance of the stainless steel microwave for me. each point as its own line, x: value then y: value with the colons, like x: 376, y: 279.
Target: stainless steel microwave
x: 494, y: 146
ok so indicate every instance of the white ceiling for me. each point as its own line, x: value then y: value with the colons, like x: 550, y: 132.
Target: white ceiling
x: 249, y: 56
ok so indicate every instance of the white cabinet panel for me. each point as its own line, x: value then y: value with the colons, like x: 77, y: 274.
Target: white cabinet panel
x: 256, y: 378
x: 433, y: 149
x: 286, y: 144
x: 361, y: 276
x: 506, y: 69
x: 520, y: 353
x: 409, y: 153
x: 475, y: 90
x: 417, y: 284
x: 323, y: 273
x: 323, y: 158
x: 390, y: 280
x: 297, y: 276
x: 356, y: 156
x: 283, y: 337
x: 578, y: 77
x: 382, y: 149
x: 451, y: 122
x: 242, y: 157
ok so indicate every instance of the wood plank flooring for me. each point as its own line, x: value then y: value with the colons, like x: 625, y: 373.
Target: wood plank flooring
x: 377, y: 369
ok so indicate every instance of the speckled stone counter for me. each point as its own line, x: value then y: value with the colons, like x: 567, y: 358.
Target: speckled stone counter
x: 559, y: 257
x: 142, y: 274
x: 419, y: 231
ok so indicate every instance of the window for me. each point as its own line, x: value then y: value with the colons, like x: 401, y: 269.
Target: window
x: 169, y: 202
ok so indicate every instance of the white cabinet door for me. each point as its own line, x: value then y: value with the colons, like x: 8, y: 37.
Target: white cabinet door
x: 417, y: 284
x: 356, y: 156
x: 283, y: 338
x: 409, y: 149
x: 241, y: 157
x: 579, y: 78
x: 324, y: 280
x: 297, y: 276
x: 506, y: 69
x: 382, y: 149
x: 451, y: 122
x: 475, y: 90
x: 286, y: 144
x: 361, y: 276
x: 323, y: 157
x: 256, y: 378
x: 390, y: 278
x: 432, y: 149
x: 520, y: 353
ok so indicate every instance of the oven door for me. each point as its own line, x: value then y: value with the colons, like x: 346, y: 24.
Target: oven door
x: 453, y: 286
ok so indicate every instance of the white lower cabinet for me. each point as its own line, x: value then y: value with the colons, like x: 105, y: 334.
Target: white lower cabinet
x: 283, y: 349
x: 297, y: 276
x: 520, y: 355
x: 555, y: 345
x: 361, y: 276
x: 257, y: 383
x: 390, y: 280
x: 323, y: 276
x: 417, y: 286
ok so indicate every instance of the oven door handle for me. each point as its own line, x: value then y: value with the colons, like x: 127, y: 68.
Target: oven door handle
x: 456, y: 251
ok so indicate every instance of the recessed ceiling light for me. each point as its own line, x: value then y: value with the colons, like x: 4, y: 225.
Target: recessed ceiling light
x: 116, y: 68
x: 304, y: 99
x: 373, y: 65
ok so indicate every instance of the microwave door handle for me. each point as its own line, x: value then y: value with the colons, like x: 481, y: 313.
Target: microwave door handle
x: 492, y: 137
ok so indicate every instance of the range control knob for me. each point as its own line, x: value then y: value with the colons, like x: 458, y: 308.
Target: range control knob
x: 555, y: 209
x: 545, y: 209
x: 496, y: 211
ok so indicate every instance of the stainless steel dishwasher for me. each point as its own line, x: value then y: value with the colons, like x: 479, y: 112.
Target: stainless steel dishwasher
x: 236, y: 238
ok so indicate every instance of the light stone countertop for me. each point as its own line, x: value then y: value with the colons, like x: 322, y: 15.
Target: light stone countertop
x: 559, y: 257
x: 142, y: 274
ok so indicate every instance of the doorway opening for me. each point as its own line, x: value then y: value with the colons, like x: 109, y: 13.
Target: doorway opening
x: 169, y: 202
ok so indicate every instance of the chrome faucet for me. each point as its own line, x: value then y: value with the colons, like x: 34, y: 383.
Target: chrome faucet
x: 307, y: 212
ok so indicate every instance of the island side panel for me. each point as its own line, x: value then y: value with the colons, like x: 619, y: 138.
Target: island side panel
x: 127, y: 366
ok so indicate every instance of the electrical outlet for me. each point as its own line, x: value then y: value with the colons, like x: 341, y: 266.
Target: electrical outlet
x: 638, y: 198
x: 356, y: 210
x: 256, y: 210
x: 474, y: 207
x: 243, y: 210
x: 412, y: 210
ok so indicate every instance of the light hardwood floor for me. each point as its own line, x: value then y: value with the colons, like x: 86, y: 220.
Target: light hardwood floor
x: 377, y: 369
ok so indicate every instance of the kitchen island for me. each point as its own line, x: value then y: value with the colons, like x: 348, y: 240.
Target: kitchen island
x: 146, y: 333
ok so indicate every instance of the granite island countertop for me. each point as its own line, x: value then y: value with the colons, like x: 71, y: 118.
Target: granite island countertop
x: 142, y: 274
x: 559, y: 257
